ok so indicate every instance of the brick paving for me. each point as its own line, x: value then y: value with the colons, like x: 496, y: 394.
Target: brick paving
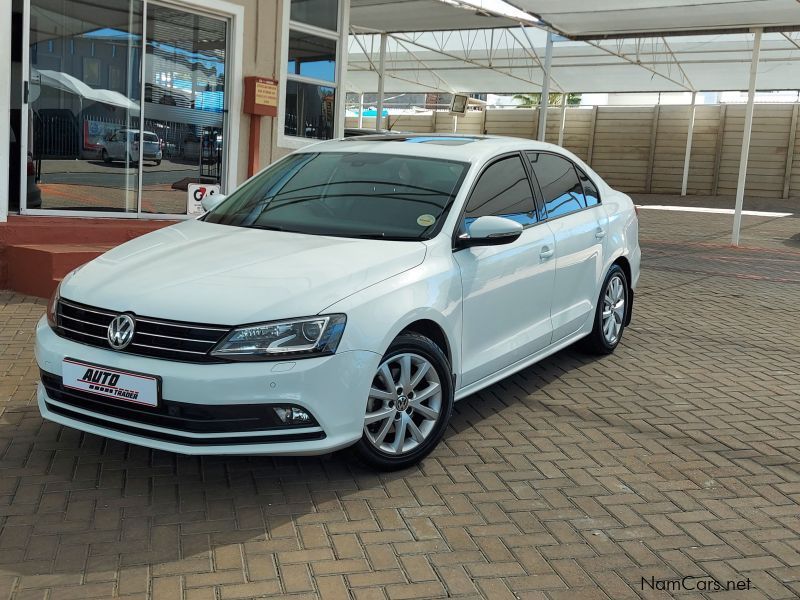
x: 576, y: 478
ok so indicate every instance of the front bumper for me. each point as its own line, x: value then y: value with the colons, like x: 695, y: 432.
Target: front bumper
x: 333, y: 389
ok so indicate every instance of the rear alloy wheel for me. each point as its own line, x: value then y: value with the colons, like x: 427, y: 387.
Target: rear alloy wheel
x: 609, y: 322
x: 409, y: 404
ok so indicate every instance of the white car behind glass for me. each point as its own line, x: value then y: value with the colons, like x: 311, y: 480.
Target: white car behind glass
x: 123, y: 145
x: 345, y: 296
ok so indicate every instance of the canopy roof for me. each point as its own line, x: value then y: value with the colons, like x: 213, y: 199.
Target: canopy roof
x: 510, y: 60
x: 393, y: 16
x: 67, y: 83
x: 580, y: 19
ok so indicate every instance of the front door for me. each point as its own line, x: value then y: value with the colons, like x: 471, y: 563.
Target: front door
x: 505, y: 289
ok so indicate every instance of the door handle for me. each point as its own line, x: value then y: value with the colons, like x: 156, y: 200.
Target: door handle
x: 546, y: 252
x: 600, y: 233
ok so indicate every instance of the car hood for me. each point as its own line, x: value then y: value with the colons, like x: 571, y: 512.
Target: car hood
x: 208, y: 273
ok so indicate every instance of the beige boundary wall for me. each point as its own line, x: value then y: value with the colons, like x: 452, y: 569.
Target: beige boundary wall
x: 641, y: 149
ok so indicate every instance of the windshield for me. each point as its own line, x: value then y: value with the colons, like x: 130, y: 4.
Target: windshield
x: 382, y: 196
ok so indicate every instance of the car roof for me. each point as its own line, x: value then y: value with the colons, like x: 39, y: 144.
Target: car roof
x: 459, y: 147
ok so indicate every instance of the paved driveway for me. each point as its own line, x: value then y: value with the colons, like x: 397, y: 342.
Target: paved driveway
x: 577, y: 478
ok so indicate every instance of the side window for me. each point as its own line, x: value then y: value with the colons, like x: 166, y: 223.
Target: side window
x: 503, y: 190
x: 561, y: 189
x: 589, y: 189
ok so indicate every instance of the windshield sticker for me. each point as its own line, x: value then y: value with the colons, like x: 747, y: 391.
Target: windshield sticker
x: 426, y: 220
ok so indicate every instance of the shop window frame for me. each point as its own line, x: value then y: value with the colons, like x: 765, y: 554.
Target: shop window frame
x: 221, y: 9
x: 293, y: 142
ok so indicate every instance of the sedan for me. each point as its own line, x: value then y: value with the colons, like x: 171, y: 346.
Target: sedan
x: 345, y: 296
x: 123, y: 145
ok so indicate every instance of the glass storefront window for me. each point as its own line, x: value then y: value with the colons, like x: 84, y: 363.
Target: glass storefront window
x: 84, y: 89
x: 312, y: 56
x: 184, y: 106
x: 319, y: 13
x: 114, y: 103
x: 310, y: 110
x: 311, y: 69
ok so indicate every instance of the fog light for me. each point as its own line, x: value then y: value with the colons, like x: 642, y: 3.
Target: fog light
x: 292, y: 415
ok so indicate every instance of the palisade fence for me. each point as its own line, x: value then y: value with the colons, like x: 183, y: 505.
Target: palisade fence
x: 641, y: 149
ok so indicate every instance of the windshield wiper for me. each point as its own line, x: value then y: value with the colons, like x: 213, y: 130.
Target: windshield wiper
x: 273, y: 228
x: 376, y: 235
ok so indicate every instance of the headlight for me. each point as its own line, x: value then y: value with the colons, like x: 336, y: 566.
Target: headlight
x: 52, y: 308
x: 275, y: 340
x: 52, y: 305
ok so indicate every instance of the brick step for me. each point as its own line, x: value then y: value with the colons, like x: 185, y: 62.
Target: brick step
x: 35, y: 252
x: 36, y: 269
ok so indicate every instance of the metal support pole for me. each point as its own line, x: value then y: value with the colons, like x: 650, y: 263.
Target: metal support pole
x: 361, y: 110
x: 563, y: 118
x: 748, y: 126
x: 548, y: 61
x: 381, y: 76
x: 688, y: 155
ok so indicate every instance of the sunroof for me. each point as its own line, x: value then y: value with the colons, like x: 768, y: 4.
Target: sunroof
x: 441, y: 140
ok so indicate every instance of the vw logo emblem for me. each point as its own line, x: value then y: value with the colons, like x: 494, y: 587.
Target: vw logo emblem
x: 120, y: 331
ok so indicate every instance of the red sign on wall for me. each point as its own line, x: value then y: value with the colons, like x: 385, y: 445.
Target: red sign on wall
x: 261, y: 96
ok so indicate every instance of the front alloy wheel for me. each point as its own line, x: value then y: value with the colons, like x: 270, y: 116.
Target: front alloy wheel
x: 409, y: 404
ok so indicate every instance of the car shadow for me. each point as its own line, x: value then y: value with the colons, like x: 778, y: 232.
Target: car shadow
x: 113, y: 503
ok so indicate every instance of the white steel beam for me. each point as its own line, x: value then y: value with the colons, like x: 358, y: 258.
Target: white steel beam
x: 463, y: 59
x: 563, y: 122
x: 688, y: 155
x: 545, y: 98
x: 381, y: 82
x: 748, y: 126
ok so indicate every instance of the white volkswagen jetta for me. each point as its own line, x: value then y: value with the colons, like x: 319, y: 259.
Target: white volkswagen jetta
x: 346, y: 295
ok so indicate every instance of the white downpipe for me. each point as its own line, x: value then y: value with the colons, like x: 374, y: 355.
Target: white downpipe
x: 381, y: 76
x: 548, y: 61
x: 562, y: 125
x: 748, y: 126
x: 361, y: 110
x: 688, y: 155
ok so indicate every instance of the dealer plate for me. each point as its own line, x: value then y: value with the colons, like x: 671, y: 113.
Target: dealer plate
x: 111, y: 383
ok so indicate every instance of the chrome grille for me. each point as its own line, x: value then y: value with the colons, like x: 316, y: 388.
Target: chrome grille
x: 157, y: 338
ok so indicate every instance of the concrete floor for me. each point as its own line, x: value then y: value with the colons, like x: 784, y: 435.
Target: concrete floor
x: 579, y: 477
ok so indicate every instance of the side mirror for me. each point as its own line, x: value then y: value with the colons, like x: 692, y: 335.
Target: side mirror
x: 490, y: 231
x: 211, y: 202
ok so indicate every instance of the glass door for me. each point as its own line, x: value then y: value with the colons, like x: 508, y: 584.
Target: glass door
x: 83, y: 90
x: 125, y: 106
x: 184, y: 106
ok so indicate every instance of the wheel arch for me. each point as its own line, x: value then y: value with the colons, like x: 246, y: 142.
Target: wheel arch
x: 433, y: 331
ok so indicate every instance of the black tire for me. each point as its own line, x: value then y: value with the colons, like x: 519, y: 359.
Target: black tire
x: 158, y: 162
x: 106, y: 158
x: 597, y: 341
x: 413, y: 343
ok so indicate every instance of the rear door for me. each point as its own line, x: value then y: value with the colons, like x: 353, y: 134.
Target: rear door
x: 579, y: 227
x: 506, y: 289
